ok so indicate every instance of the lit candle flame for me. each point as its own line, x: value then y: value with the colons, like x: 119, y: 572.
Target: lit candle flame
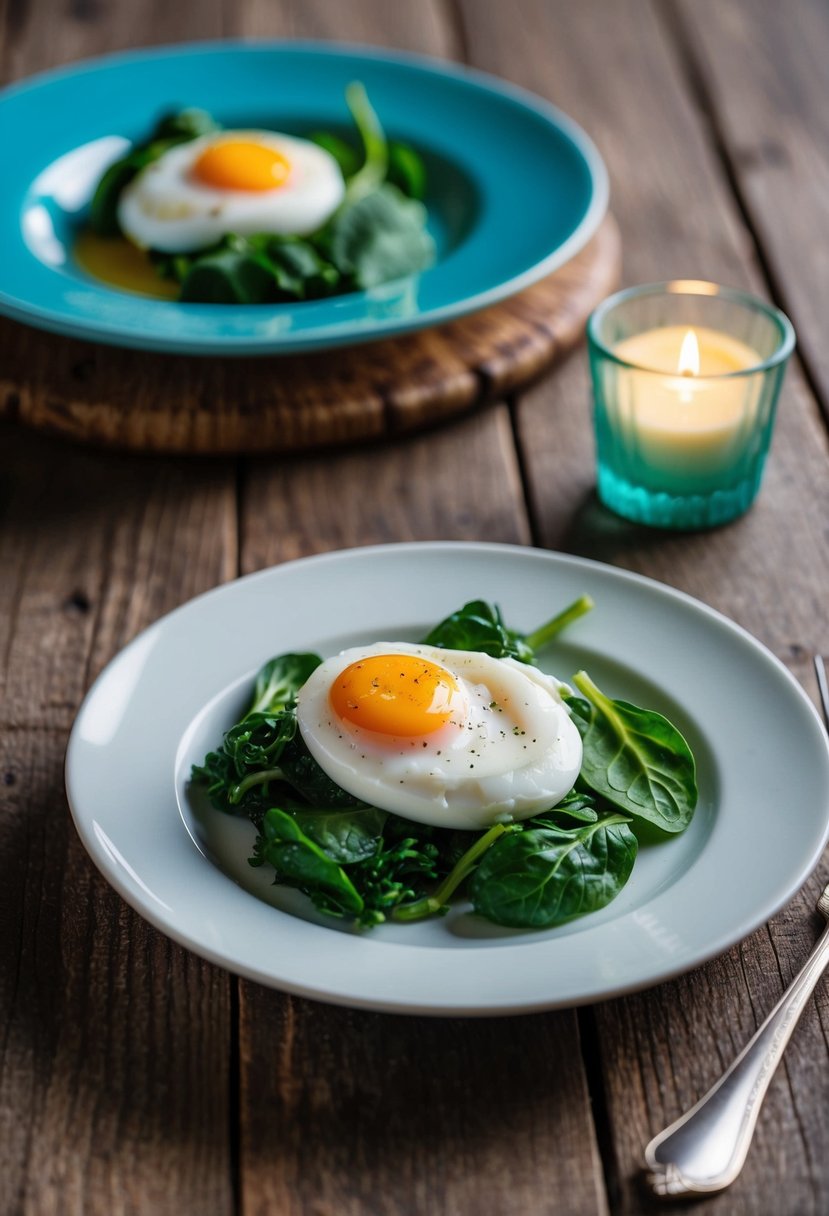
x: 689, y: 355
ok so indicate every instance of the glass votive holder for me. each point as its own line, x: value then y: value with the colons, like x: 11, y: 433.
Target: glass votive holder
x: 686, y: 377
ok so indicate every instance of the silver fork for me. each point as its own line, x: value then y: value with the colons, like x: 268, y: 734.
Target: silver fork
x: 705, y: 1149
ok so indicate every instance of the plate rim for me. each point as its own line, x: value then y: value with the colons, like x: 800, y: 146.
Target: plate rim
x: 717, y: 946
x: 323, y: 337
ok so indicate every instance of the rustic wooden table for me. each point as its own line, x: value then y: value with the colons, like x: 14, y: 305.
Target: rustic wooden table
x: 136, y: 1078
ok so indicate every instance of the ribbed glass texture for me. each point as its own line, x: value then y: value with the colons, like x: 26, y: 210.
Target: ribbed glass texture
x: 685, y: 450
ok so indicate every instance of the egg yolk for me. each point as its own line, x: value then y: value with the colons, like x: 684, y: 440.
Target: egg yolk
x: 237, y: 164
x: 397, y: 694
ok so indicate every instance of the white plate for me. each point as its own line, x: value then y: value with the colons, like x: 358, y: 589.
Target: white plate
x: 759, y: 829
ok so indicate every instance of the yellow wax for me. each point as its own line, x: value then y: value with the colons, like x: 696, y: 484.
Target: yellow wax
x: 686, y: 426
x: 658, y: 350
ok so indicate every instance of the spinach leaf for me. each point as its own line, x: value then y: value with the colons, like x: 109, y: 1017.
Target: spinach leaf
x: 181, y: 126
x: 170, y: 130
x: 378, y: 233
x: 251, y: 270
x: 547, y: 876
x: 344, y: 836
x: 299, y: 270
x: 407, y: 171
x: 227, y: 276
x: 299, y: 862
x: 279, y: 681
x: 480, y: 626
x: 308, y: 848
x: 634, y: 757
x: 379, y: 236
x: 346, y: 157
x: 576, y: 805
x: 303, y: 772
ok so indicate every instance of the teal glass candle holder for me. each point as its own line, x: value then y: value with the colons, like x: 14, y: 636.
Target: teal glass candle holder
x: 686, y: 377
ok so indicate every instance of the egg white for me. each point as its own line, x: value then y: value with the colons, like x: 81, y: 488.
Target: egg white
x: 516, y: 752
x: 165, y: 207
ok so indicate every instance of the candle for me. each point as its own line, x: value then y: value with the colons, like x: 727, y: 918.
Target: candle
x: 686, y: 377
x: 691, y: 425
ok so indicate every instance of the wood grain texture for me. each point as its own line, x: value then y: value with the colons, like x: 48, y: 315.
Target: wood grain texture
x: 423, y: 28
x: 166, y: 403
x: 116, y: 1087
x: 660, y: 1051
x: 760, y: 74
x: 412, y: 1115
x: 42, y: 34
x: 410, y: 489
x: 114, y: 1068
x: 113, y: 1087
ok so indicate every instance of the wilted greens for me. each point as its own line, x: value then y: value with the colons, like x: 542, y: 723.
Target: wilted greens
x: 377, y: 234
x: 367, y: 865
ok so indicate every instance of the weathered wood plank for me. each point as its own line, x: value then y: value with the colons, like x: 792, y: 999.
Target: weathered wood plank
x: 658, y: 1050
x: 762, y: 70
x: 372, y: 1115
x: 399, y: 1115
x: 114, y: 1067
x: 113, y: 1072
x: 407, y: 490
x: 94, y: 550
x: 421, y: 28
x: 41, y: 34
x: 114, y: 1083
x: 661, y: 1050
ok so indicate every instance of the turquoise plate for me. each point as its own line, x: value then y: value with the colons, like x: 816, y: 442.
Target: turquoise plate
x: 516, y: 188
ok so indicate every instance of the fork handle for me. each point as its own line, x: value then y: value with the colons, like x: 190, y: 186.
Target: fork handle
x: 704, y: 1150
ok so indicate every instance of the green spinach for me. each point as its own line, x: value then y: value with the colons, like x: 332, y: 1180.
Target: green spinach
x: 438, y: 902
x: 345, y: 836
x: 576, y: 805
x: 378, y: 233
x: 635, y: 758
x: 252, y: 270
x: 246, y: 766
x: 299, y: 862
x: 548, y: 875
x: 379, y: 236
x: 407, y: 170
x: 310, y: 781
x: 279, y: 681
x: 360, y: 862
x: 479, y: 626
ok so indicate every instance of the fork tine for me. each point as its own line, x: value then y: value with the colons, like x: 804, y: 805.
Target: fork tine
x: 823, y: 686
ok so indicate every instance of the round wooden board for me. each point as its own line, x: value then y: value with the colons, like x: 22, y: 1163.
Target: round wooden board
x: 137, y: 400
